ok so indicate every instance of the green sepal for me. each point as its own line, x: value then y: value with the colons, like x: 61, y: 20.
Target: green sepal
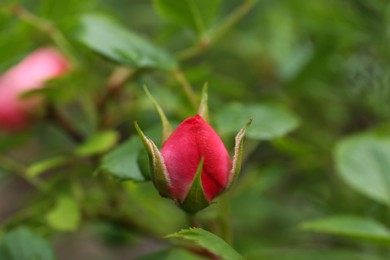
x: 203, y: 110
x: 195, y: 199
x: 158, y: 170
x: 237, y: 158
x: 166, y: 126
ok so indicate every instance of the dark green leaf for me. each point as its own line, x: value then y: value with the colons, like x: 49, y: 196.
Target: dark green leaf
x: 122, y: 161
x: 353, y: 226
x: 23, y: 244
x: 269, y: 120
x: 207, y: 241
x: 363, y: 161
x: 111, y: 40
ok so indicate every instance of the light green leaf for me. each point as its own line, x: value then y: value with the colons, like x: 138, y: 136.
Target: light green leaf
x: 42, y: 166
x: 98, y: 143
x: 198, y: 15
x: 23, y: 244
x: 207, y: 241
x: 353, y: 226
x: 111, y: 40
x: 122, y: 162
x: 363, y: 161
x: 65, y: 216
x: 269, y: 120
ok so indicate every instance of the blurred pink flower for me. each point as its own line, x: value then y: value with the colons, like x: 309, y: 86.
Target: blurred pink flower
x: 31, y: 73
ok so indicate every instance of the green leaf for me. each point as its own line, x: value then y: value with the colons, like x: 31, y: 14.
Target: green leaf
x: 363, y: 161
x: 198, y: 15
x: 353, y: 226
x: 269, y: 120
x: 207, y: 241
x: 42, y: 166
x: 122, y: 162
x: 237, y: 158
x: 98, y: 143
x: 65, y: 216
x: 111, y: 40
x: 22, y: 244
x: 196, y: 199
x: 159, y: 172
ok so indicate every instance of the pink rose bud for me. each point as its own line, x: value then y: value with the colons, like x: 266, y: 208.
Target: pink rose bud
x: 194, y: 166
x: 192, y: 140
x: 31, y: 73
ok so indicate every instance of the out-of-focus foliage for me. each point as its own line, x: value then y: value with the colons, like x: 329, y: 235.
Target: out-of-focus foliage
x: 22, y: 243
x: 314, y: 75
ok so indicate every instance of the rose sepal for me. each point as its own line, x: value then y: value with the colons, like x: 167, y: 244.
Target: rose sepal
x: 195, y: 199
x: 158, y: 170
x: 237, y: 157
x: 203, y: 110
x: 166, y: 126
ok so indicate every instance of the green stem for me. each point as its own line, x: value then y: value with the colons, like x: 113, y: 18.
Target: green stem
x: 14, y: 167
x: 225, y: 217
x: 24, y: 214
x: 186, y: 86
x: 56, y: 116
x: 193, y: 220
x: 207, y: 40
x: 117, y: 79
x: 231, y: 20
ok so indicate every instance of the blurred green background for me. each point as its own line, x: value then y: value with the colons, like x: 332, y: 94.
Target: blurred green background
x: 314, y: 75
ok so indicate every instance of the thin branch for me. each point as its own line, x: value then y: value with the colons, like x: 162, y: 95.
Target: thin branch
x: 186, y: 86
x: 63, y: 123
x: 225, y: 216
x: 231, y: 20
x: 125, y: 222
x: 113, y: 88
x: 16, y: 168
x: 218, y: 32
x: 117, y: 79
x: 193, y: 221
x: 47, y: 27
